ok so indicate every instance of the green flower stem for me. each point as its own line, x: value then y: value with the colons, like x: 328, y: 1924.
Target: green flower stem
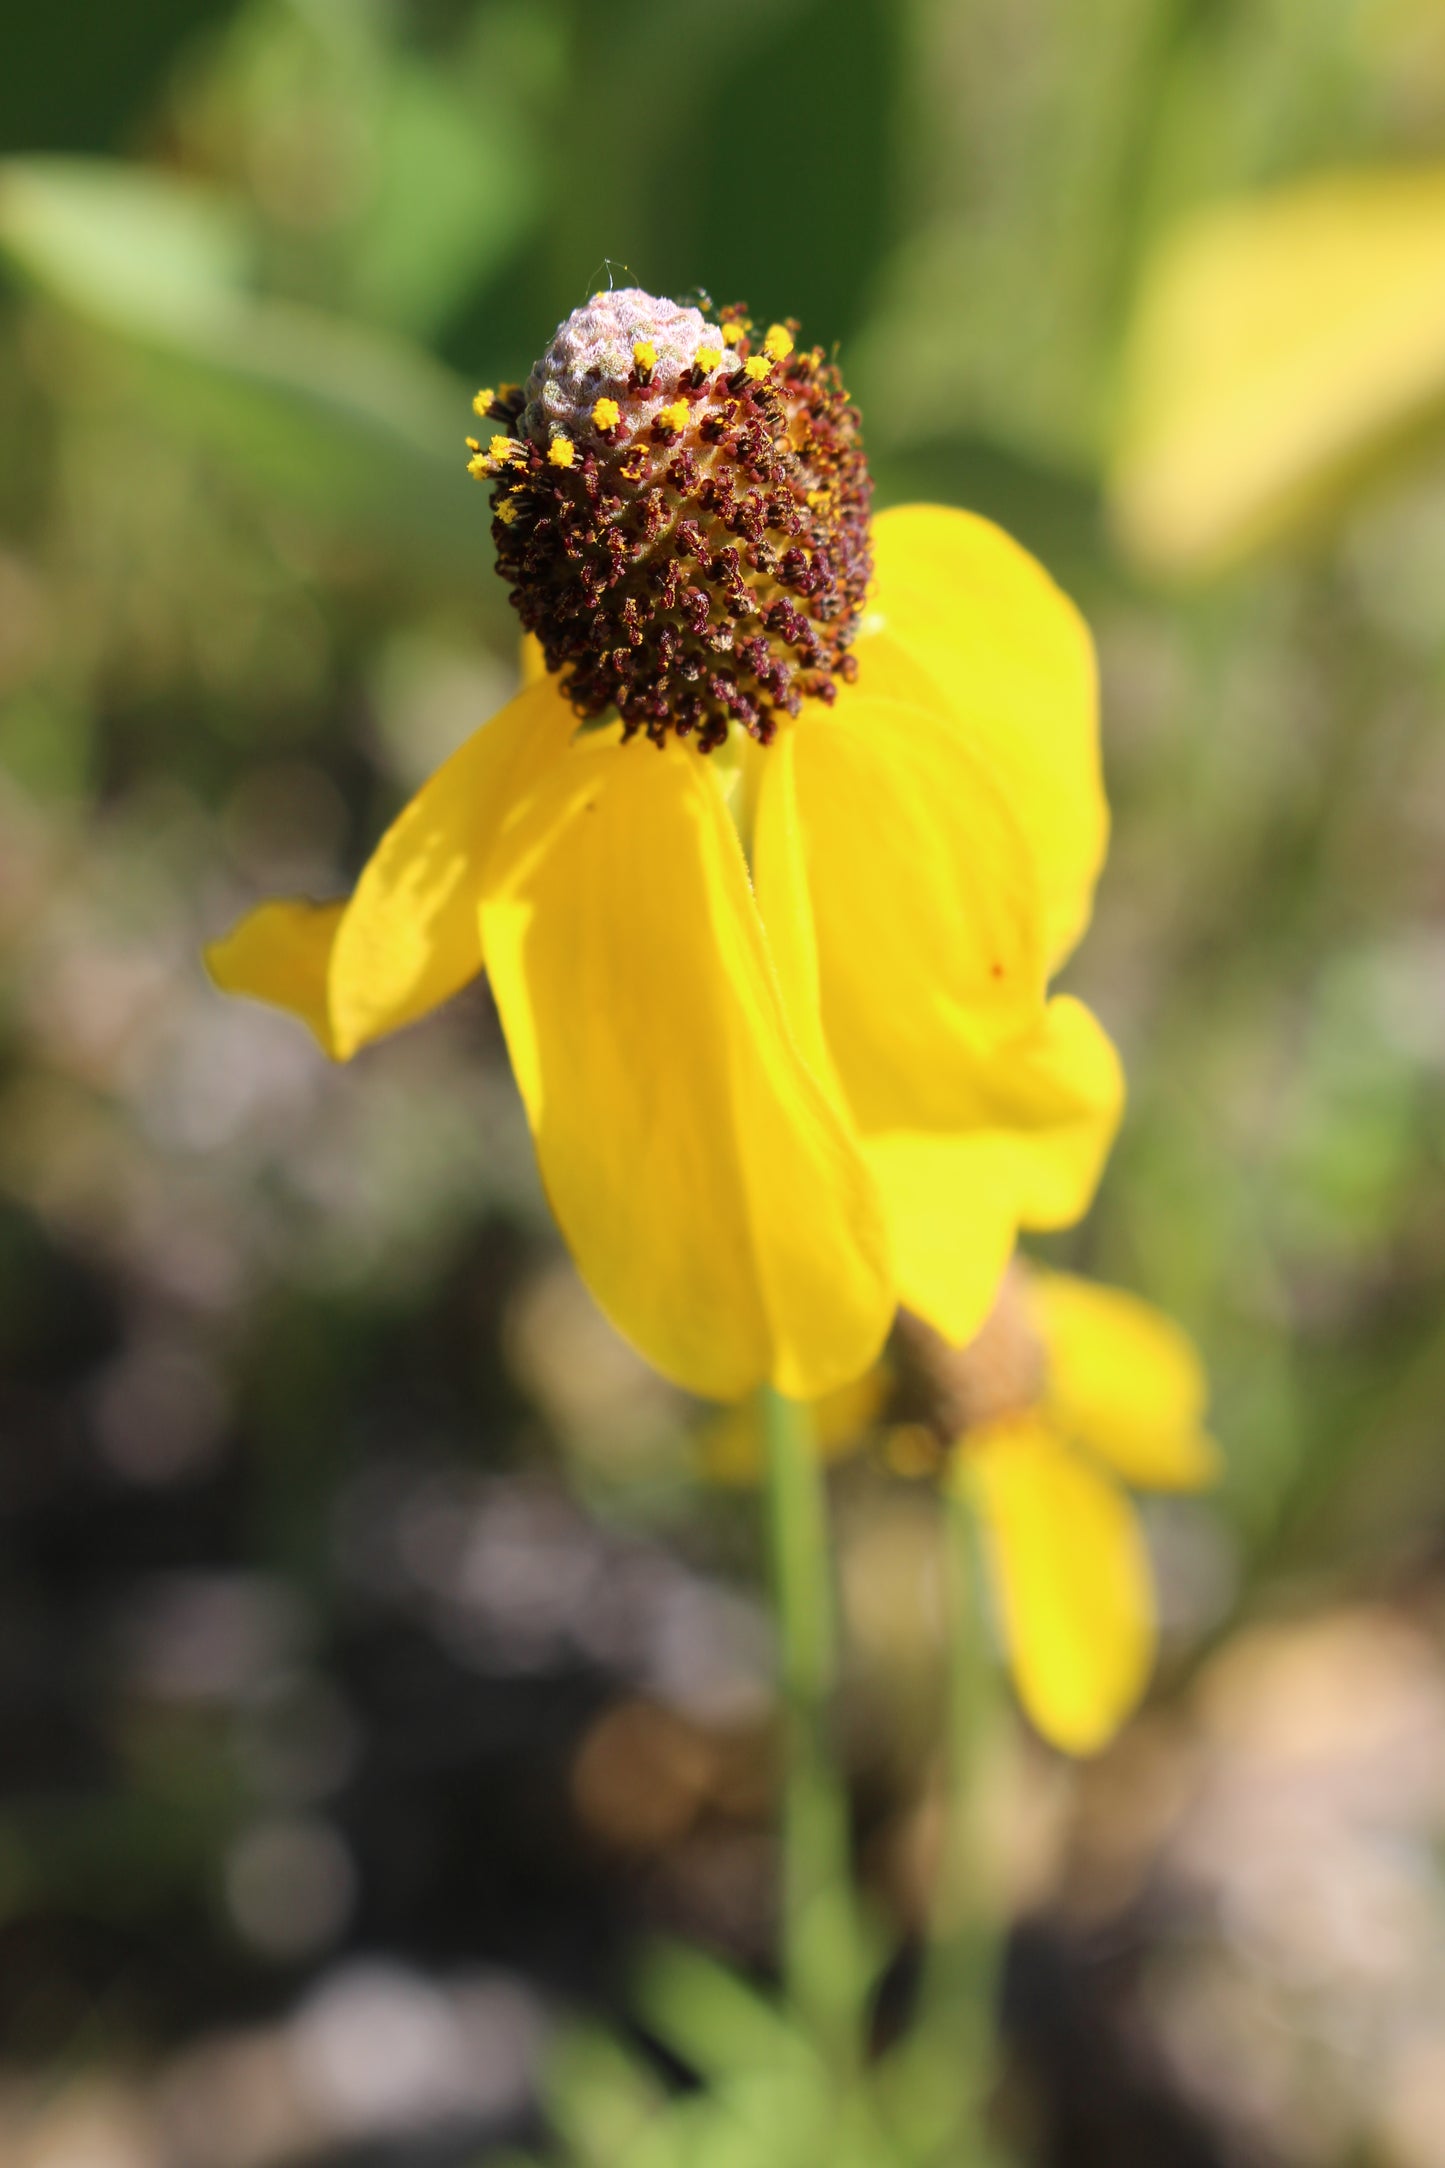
x: 823, y: 1966
x: 947, y: 2065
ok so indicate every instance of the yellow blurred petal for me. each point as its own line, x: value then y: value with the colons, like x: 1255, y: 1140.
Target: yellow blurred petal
x: 281, y: 953
x: 923, y: 903
x: 1031, y: 1130
x: 1276, y: 343
x: 1072, y: 1579
x: 1125, y: 1381
x: 409, y: 938
x: 956, y: 600
x: 713, y: 1196
x: 534, y: 662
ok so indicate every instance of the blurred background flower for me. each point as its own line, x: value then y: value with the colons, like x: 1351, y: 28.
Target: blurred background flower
x: 372, y: 1668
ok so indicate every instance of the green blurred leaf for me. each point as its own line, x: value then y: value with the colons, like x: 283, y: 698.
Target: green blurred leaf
x: 453, y: 196
x: 601, y: 2097
x: 714, y: 2020
x: 996, y: 316
x: 360, y: 429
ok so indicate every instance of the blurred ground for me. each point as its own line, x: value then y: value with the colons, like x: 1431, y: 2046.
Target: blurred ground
x: 373, y: 1669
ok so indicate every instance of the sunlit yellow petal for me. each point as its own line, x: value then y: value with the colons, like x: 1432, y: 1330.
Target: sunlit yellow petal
x: 409, y: 937
x: 713, y: 1197
x: 1125, y: 1381
x: 281, y: 953
x: 1058, y: 1095
x: 923, y: 901
x: 960, y: 602
x: 1276, y: 343
x: 951, y: 1204
x: 1031, y: 1130
x: 1072, y: 1579
x: 781, y: 873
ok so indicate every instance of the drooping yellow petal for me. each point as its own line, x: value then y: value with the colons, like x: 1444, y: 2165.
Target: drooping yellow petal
x: 1276, y: 343
x: 281, y: 954
x: 712, y: 1193
x: 1032, y: 1126
x: 959, y: 601
x: 1125, y: 1381
x: 781, y: 872
x: 1072, y: 1580
x: 409, y: 937
x: 923, y: 902
x: 1058, y: 1094
x: 533, y: 660
x: 951, y: 1204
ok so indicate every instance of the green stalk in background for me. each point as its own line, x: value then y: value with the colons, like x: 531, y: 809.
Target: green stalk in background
x: 939, y: 2078
x: 823, y: 1962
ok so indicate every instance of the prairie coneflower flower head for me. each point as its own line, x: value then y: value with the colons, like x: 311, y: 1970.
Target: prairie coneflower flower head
x: 773, y: 983
x: 682, y: 513
x: 1069, y: 1393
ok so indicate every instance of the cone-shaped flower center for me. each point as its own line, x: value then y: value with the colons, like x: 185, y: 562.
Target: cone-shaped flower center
x: 682, y: 515
x: 1001, y: 1373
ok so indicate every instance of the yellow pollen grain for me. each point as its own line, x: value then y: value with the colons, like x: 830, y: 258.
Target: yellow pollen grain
x: 707, y: 357
x: 503, y: 449
x: 507, y: 511
x: 817, y: 497
x: 473, y: 445
x: 779, y: 342
x: 560, y: 452
x: 733, y: 333
x: 644, y: 353
x: 674, y: 416
x: 757, y: 366
x: 606, y: 414
x: 483, y: 401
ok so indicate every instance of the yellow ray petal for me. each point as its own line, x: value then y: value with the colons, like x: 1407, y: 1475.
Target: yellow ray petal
x: 1058, y: 1095
x: 713, y: 1196
x: 409, y: 937
x: 1072, y: 1579
x: 923, y: 902
x: 1031, y: 1129
x: 1275, y: 344
x: 958, y: 601
x: 1125, y: 1381
x: 952, y: 1210
x: 781, y: 873
x: 281, y: 953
